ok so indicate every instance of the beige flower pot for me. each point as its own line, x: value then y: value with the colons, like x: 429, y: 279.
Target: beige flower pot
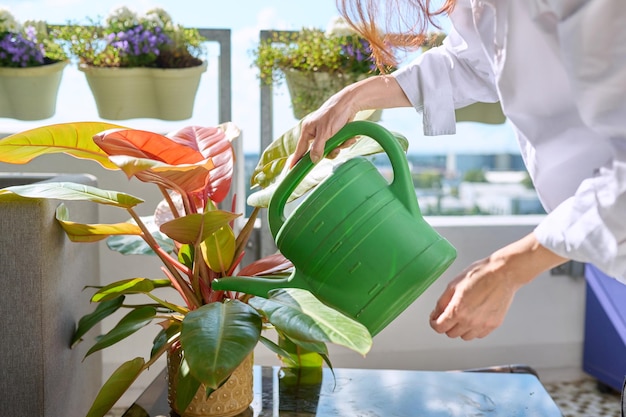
x: 490, y: 113
x: 30, y: 93
x: 231, y: 399
x: 129, y: 93
x: 310, y: 89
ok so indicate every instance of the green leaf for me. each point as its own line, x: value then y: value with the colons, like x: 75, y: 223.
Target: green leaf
x: 284, y: 355
x: 129, y: 286
x: 88, y: 321
x: 195, y: 228
x: 304, y: 354
x: 129, y: 324
x: 115, y: 387
x: 186, y: 255
x: 303, y: 318
x: 319, y: 348
x: 217, y: 337
x: 71, y: 191
x: 166, y: 335
x: 186, y: 387
x: 75, y: 139
x: 218, y: 249
x: 79, y: 232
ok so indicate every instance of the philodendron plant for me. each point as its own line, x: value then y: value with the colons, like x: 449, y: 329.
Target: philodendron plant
x: 196, y: 242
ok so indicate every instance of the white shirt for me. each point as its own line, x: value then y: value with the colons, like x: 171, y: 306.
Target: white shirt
x: 558, y: 68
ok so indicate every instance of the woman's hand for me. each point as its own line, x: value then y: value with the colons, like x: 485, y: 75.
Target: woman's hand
x: 476, y: 302
x: 379, y: 92
x: 322, y: 124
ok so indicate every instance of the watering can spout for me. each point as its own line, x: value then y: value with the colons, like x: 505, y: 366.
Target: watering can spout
x: 258, y: 286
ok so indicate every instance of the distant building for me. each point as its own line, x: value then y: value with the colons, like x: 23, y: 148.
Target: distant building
x: 500, y: 198
x: 503, y: 193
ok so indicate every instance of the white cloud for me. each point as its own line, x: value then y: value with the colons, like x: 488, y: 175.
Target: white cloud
x: 268, y: 18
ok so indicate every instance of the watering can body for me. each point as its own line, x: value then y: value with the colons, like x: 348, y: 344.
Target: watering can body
x: 358, y: 243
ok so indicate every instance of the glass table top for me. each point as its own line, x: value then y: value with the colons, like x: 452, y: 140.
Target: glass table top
x: 378, y: 393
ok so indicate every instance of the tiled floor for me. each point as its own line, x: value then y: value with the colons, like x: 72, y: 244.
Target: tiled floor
x: 580, y: 398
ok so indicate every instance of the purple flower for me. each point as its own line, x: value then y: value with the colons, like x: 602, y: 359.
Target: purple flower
x: 19, y: 51
x: 139, y: 46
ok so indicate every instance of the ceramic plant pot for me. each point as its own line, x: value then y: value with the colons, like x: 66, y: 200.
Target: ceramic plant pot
x: 231, y: 399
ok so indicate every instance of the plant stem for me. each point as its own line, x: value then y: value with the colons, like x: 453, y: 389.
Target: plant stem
x: 169, y: 201
x: 172, y: 260
x: 171, y: 306
x: 147, y: 236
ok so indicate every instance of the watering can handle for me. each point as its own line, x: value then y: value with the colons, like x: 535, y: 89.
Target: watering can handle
x: 401, y: 186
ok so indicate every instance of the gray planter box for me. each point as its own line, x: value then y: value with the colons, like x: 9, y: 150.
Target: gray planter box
x: 42, y: 275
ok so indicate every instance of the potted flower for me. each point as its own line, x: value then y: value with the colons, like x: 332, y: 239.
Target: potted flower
x: 314, y: 63
x: 207, y: 334
x: 31, y: 67
x: 139, y: 65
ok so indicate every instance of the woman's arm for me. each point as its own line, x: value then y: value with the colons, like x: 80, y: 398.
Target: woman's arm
x: 380, y: 92
x: 476, y: 301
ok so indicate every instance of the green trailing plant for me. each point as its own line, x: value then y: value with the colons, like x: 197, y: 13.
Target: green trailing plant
x: 315, y: 63
x: 196, y: 241
x: 338, y: 50
x: 129, y: 40
x: 312, y: 50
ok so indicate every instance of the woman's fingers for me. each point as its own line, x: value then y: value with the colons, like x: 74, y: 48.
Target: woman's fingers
x: 316, y: 146
x: 474, y: 303
x: 307, y: 135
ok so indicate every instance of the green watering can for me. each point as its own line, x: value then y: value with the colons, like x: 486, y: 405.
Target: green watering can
x: 358, y: 243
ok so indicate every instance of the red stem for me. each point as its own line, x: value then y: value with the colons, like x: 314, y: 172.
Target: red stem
x: 147, y: 236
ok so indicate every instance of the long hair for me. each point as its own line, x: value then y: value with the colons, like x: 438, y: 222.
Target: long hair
x: 391, y: 25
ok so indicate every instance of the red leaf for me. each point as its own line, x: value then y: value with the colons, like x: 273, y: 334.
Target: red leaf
x: 214, y: 143
x: 149, y: 145
x: 266, y: 266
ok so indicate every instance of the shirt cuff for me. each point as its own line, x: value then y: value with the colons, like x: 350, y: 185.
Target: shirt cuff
x: 427, y: 86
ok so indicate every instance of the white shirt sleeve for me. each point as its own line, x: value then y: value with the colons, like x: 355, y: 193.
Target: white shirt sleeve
x: 591, y: 225
x: 448, y: 77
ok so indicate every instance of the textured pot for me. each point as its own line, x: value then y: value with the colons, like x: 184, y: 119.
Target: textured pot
x: 30, y: 93
x: 129, y: 93
x: 310, y: 89
x: 231, y: 399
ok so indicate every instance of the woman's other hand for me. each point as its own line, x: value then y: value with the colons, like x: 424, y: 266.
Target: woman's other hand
x: 476, y: 302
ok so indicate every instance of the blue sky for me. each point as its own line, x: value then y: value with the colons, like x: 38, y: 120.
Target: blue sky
x: 245, y: 18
